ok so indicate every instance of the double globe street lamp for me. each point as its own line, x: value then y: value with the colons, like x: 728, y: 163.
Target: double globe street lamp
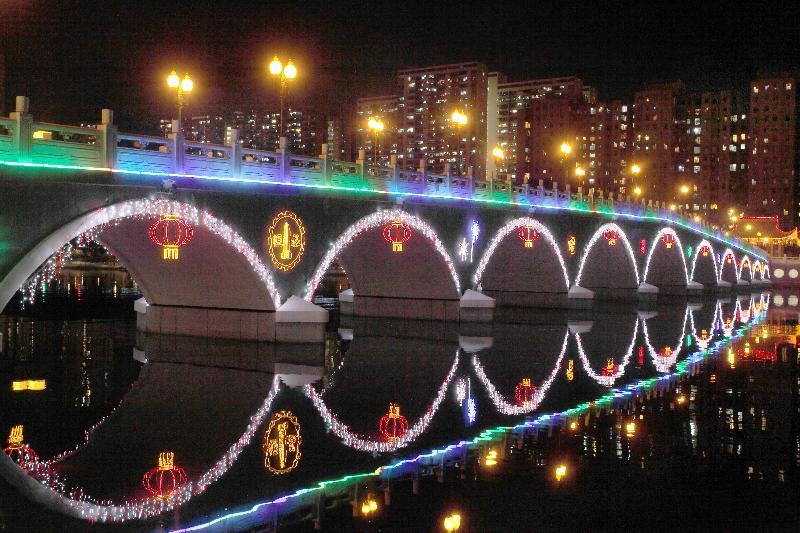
x: 459, y: 119
x: 286, y: 73
x: 183, y: 86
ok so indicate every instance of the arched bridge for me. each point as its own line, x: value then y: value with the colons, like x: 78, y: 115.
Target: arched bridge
x: 238, y: 250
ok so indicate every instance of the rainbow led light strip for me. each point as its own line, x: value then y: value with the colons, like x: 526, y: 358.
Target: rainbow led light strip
x: 487, y: 436
x: 573, y: 208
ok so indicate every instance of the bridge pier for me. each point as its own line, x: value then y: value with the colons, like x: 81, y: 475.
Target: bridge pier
x: 296, y: 321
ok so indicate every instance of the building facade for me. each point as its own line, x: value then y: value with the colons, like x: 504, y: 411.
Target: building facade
x: 772, y: 148
x: 427, y: 131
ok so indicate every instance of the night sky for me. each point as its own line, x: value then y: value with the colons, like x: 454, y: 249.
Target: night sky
x: 75, y: 57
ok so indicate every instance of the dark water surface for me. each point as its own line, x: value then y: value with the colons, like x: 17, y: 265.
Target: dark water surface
x: 716, y: 446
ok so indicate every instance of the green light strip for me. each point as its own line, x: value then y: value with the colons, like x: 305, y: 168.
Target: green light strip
x: 579, y: 207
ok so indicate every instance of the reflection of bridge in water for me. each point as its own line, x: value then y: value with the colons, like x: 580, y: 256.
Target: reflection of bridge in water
x: 225, y: 392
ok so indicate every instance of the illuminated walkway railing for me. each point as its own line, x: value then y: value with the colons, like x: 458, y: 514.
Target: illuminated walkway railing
x: 24, y: 141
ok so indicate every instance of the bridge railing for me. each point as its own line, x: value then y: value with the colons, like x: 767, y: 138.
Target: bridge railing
x: 103, y: 146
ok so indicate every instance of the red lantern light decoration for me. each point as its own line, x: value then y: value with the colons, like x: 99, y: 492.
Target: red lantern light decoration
x: 529, y: 235
x: 163, y: 480
x: 524, y: 391
x: 393, y: 425
x: 396, y: 233
x: 18, y: 451
x: 611, y: 236
x: 640, y: 359
x: 668, y: 239
x: 705, y: 250
x: 171, y: 232
x: 610, y: 369
x: 642, y: 246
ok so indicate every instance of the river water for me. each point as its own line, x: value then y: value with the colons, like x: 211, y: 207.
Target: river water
x: 682, y: 415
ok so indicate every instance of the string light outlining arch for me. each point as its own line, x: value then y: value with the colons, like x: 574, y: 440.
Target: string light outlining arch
x: 600, y: 233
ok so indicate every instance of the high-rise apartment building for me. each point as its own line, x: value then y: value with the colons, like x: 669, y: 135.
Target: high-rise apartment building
x: 430, y: 96
x: 506, y: 105
x: 604, y: 147
x: 659, y: 126
x: 772, y: 148
x: 719, y: 152
x: 547, y: 124
x: 206, y: 129
x: 381, y: 145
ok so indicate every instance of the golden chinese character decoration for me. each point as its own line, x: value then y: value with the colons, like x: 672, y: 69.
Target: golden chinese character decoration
x: 282, y: 443
x: 286, y: 241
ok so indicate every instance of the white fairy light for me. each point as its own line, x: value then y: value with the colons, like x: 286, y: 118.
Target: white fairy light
x: 366, y: 444
x: 606, y: 381
x: 663, y: 364
x: 657, y: 242
x: 504, y: 406
x: 369, y: 222
x: 504, y: 232
x: 704, y: 243
x: 597, y: 235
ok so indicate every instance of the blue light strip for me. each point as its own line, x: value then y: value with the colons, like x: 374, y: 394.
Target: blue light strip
x: 255, y: 181
x: 488, y: 435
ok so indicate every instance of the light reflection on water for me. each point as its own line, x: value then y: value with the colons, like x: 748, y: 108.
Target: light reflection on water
x: 195, y: 397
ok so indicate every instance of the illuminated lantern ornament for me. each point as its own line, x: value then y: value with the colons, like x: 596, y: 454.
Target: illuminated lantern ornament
x: 669, y: 240
x: 728, y: 259
x: 18, y: 451
x: 393, y: 425
x: 642, y: 246
x: 163, y: 480
x: 286, y: 240
x: 705, y: 250
x: 282, y: 443
x: 611, y: 236
x: 640, y: 359
x: 524, y: 392
x: 528, y: 235
x: 171, y: 232
x: 689, y: 251
x: 571, y: 242
x: 396, y: 233
x: 610, y: 369
x: 665, y: 353
x: 570, y: 370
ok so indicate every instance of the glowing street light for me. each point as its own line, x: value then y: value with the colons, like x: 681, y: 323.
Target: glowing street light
x: 684, y: 189
x: 376, y: 125
x: 637, y: 191
x: 459, y: 119
x: 635, y: 169
x: 561, y: 471
x: 183, y: 86
x: 498, y: 155
x: 566, y: 149
x: 369, y: 506
x: 580, y: 172
x: 452, y: 522
x: 285, y: 73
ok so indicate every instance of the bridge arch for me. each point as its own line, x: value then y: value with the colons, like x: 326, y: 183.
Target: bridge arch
x: 664, y: 271
x: 507, y: 265
x: 745, y: 261
x: 621, y: 270
x: 376, y: 271
x: 216, y: 257
x: 703, y: 255
x: 727, y: 267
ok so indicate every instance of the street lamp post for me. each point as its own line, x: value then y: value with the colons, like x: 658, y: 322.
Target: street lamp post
x: 565, y: 149
x: 376, y: 125
x: 286, y: 73
x: 498, y: 155
x: 183, y: 86
x: 459, y: 119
